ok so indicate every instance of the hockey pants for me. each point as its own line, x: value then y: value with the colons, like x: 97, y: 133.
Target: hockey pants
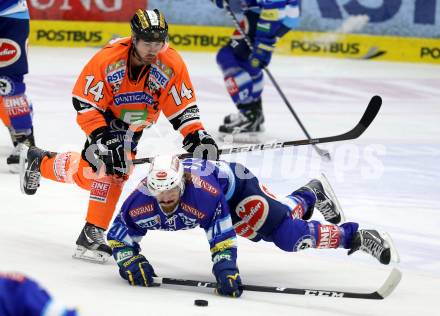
x: 104, y: 190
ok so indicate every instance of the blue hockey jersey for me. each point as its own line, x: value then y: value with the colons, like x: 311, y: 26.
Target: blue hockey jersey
x: 14, y: 9
x: 203, y: 203
x: 273, y: 14
x: 20, y: 296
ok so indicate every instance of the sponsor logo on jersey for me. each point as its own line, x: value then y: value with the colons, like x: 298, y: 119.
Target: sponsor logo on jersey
x: 244, y: 230
x: 16, y: 105
x: 99, y: 191
x: 134, y: 116
x: 253, y: 210
x: 116, y: 75
x: 59, y: 166
x: 160, y: 77
x: 141, y: 210
x: 303, y: 243
x: 329, y: 236
x: 6, y: 86
x: 165, y: 69
x: 133, y: 98
x: 115, y: 87
x: 189, y: 114
x: 192, y: 210
x: 204, y: 185
x: 153, y: 85
x: 10, y: 52
x: 115, y: 66
x: 150, y: 223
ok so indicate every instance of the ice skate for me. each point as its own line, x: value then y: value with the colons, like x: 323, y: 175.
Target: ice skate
x: 91, y: 245
x: 13, y: 160
x: 30, y: 162
x: 378, y: 244
x: 244, y: 126
x: 326, y: 202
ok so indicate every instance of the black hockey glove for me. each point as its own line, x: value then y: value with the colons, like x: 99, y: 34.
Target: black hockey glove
x: 201, y: 144
x: 228, y: 278
x: 109, y: 147
x: 219, y: 3
x: 137, y: 271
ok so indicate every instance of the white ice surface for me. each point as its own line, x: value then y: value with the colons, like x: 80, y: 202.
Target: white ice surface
x: 387, y: 179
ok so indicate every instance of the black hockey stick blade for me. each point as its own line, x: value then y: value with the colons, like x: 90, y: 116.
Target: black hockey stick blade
x: 367, y: 118
x: 385, y: 290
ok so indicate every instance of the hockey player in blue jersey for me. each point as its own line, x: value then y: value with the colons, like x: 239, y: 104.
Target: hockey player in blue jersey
x: 15, y: 107
x: 264, y: 23
x: 226, y: 199
x: 21, y: 296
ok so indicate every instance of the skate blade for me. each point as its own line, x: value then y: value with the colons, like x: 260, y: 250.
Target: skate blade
x: 22, y: 165
x: 251, y: 137
x: 82, y: 253
x: 393, y: 250
x: 328, y: 188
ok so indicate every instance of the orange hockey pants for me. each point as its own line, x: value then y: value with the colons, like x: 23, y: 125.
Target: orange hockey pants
x: 4, y: 113
x: 105, y: 190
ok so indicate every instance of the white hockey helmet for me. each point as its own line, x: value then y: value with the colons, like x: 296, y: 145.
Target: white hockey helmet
x: 166, y: 173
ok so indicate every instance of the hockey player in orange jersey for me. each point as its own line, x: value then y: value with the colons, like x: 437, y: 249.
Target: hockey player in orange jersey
x: 121, y: 91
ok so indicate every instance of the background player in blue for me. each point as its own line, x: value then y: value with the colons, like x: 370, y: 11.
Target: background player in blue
x: 226, y: 199
x: 265, y: 21
x: 15, y: 107
x: 21, y: 296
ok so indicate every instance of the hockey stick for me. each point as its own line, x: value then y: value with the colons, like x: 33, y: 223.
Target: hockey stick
x: 321, y: 152
x: 368, y: 117
x: 386, y: 289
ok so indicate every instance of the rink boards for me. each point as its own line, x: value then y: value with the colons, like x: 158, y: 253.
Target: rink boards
x: 211, y: 38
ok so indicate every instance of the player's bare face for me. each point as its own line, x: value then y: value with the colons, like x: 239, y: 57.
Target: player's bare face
x: 169, y: 199
x: 147, y: 51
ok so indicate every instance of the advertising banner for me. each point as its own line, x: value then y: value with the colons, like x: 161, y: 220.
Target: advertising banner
x: 211, y: 38
x: 413, y: 18
x: 85, y: 10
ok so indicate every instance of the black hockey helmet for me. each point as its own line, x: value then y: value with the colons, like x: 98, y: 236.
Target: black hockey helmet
x: 149, y: 25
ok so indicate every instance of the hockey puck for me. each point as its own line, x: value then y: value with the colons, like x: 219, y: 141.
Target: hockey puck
x: 201, y: 303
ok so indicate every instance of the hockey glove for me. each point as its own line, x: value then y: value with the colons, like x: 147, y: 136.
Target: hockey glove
x: 262, y: 52
x: 201, y: 144
x: 228, y: 278
x: 137, y: 271
x: 110, y: 150
x: 219, y: 3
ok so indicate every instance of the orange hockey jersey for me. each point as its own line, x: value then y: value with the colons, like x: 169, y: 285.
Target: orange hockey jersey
x: 104, y: 85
